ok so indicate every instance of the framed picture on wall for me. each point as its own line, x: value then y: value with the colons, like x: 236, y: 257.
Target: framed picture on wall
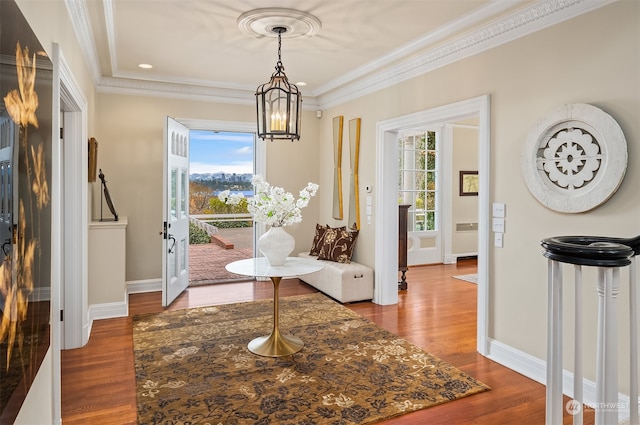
x: 468, y: 183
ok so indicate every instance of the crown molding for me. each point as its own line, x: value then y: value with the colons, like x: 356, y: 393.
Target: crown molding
x: 417, y: 45
x: 108, y: 7
x: 181, y: 91
x: 158, y: 78
x: 365, y: 80
x: 79, y: 16
x: 534, y: 18
x: 171, y: 90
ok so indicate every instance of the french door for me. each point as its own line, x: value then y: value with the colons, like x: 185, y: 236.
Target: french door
x: 419, y: 186
x: 175, y: 244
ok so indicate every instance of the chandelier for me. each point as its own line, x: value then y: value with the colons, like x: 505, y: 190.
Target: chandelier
x: 279, y: 103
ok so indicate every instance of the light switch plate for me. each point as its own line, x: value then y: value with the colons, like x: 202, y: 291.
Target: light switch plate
x: 498, y: 225
x: 499, y: 210
x: 498, y: 240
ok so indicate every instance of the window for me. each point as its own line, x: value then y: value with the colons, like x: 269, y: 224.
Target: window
x: 419, y: 173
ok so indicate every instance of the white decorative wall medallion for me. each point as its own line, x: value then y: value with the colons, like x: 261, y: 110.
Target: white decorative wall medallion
x: 575, y: 158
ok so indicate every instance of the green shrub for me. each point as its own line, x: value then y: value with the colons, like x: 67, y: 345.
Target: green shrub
x: 232, y: 224
x: 216, y: 206
x: 197, y: 235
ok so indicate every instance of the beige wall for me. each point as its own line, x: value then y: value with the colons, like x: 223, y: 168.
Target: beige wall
x: 464, y: 209
x: 130, y: 137
x: 569, y: 62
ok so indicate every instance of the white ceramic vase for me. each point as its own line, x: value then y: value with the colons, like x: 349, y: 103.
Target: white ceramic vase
x: 276, y: 244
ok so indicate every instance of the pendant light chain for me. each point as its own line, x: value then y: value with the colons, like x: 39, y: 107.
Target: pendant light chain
x: 279, y: 30
x: 279, y: 46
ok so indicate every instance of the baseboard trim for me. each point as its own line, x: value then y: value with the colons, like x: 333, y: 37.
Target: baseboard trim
x: 142, y: 286
x: 86, y: 331
x: 453, y: 258
x: 523, y: 363
x: 536, y: 369
x: 467, y: 257
x: 108, y: 310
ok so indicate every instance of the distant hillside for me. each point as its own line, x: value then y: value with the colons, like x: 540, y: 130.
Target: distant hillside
x: 229, y: 177
x: 222, y: 181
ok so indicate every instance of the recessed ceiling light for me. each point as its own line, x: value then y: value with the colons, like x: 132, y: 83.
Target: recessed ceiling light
x: 145, y: 66
x: 301, y: 83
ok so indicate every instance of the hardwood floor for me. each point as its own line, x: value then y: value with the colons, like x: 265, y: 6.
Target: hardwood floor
x: 437, y: 313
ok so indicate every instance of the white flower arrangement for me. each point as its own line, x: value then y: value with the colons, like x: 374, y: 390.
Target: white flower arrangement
x: 272, y: 205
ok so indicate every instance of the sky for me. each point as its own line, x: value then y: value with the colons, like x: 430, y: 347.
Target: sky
x: 215, y: 152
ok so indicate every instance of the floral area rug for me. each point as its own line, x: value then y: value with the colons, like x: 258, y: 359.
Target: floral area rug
x: 193, y: 367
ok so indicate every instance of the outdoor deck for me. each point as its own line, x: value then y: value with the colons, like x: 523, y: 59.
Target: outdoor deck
x: 207, y: 261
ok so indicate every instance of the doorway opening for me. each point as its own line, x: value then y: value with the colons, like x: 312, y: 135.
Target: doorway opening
x: 443, y: 214
x: 219, y: 233
x: 386, y: 290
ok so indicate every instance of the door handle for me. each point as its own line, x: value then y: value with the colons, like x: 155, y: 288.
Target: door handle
x: 164, y: 232
x: 7, y: 243
x: 173, y: 243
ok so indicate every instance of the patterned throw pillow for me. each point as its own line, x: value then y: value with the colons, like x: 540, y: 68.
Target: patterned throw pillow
x: 338, y: 245
x: 318, y: 239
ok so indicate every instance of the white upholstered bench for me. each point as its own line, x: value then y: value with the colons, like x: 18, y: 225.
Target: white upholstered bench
x: 343, y: 282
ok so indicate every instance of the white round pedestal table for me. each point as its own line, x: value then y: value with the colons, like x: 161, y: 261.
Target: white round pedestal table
x: 276, y: 344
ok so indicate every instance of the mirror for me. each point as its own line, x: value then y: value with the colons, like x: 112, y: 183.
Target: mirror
x: 354, y: 195
x: 337, y: 167
x: 93, y: 159
x: 26, y: 199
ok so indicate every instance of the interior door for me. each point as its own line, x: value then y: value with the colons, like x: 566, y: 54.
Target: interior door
x: 175, y: 244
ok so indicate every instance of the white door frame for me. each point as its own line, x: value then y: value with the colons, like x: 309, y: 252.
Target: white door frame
x: 386, y: 223
x: 70, y: 211
x: 69, y: 220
